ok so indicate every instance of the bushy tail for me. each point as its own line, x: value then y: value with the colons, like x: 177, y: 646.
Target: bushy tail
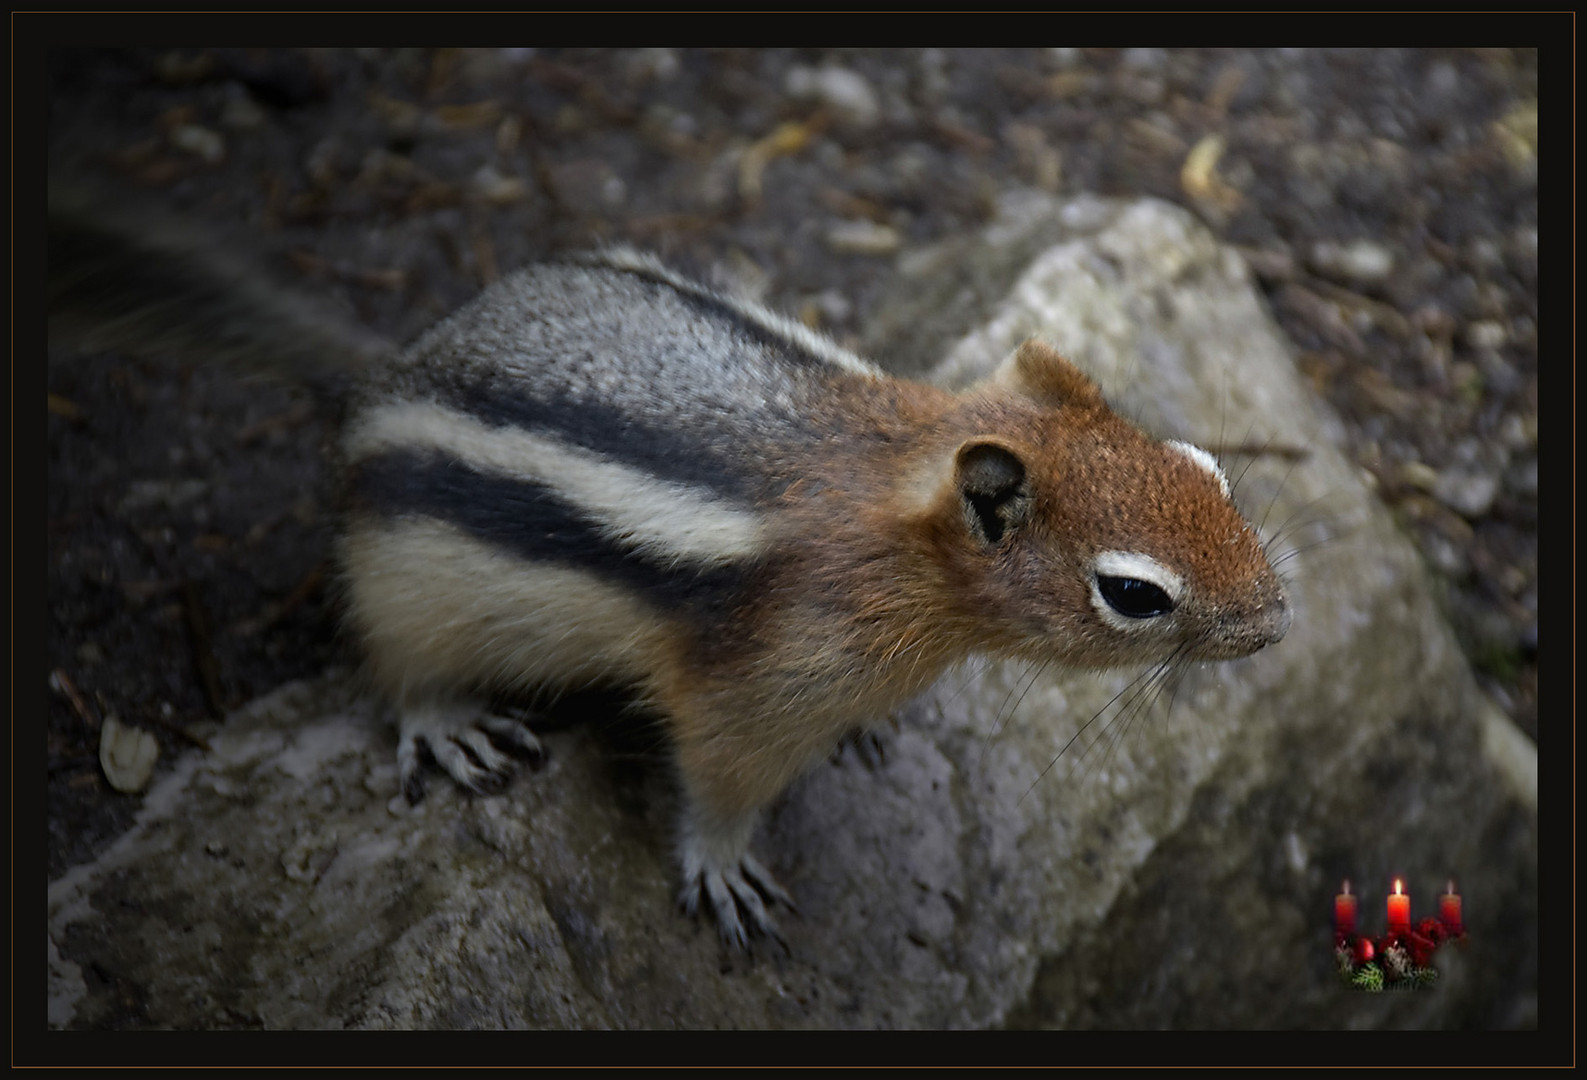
x: 124, y: 276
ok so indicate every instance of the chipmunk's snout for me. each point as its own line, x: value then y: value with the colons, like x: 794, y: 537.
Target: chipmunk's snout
x: 1279, y: 615
x: 1249, y: 628
x: 1268, y: 625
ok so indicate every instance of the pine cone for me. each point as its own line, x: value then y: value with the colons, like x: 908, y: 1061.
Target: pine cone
x: 1397, y: 962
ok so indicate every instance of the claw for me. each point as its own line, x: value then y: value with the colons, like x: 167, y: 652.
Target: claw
x: 462, y: 741
x: 761, y: 878
x: 449, y: 753
x: 411, y: 752
x: 478, y: 747
x: 514, y: 736
x: 412, y: 785
x: 868, y: 745
x: 738, y: 899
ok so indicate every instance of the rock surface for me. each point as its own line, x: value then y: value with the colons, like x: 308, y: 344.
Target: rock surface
x: 1173, y: 867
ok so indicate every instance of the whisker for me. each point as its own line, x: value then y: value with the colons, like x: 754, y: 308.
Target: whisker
x: 1282, y: 484
x: 1141, y: 703
x: 1250, y: 458
x: 970, y: 679
x: 1041, y: 669
x: 1000, y: 718
x: 1301, y: 549
x: 1082, y: 730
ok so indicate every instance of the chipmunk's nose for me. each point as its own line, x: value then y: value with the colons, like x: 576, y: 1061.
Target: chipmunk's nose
x: 1257, y: 628
x: 1276, y: 617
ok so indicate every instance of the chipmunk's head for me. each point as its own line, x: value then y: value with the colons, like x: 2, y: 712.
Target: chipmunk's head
x: 1103, y: 545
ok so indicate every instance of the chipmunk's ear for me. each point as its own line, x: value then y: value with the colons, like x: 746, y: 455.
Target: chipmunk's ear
x: 1039, y: 372
x: 990, y: 478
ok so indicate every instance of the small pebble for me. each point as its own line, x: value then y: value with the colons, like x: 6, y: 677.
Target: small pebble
x: 201, y: 142
x: 1468, y: 492
x: 835, y: 306
x: 242, y: 113
x: 499, y: 190
x: 1446, y: 557
x: 845, y: 92
x: 1486, y: 334
x: 1362, y: 261
x: 1419, y: 475
x: 654, y: 64
x: 863, y: 238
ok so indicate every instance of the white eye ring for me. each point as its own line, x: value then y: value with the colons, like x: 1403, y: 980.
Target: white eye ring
x: 1205, y: 460
x: 1131, y: 564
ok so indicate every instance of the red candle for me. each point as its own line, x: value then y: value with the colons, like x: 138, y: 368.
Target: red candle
x: 1345, y: 912
x: 1399, y: 909
x: 1449, y: 912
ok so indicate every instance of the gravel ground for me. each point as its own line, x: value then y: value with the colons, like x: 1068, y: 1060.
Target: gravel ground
x: 1387, y: 200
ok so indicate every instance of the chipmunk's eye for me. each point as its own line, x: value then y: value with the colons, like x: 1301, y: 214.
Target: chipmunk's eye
x: 1134, y: 598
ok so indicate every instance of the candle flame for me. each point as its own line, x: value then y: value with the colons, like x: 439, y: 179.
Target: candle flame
x: 1397, y: 887
x: 1451, y: 886
x: 1346, y: 887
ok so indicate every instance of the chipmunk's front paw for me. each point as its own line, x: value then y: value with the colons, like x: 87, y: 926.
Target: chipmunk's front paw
x: 720, y: 873
x: 867, y: 745
x: 464, y: 740
x: 738, y: 894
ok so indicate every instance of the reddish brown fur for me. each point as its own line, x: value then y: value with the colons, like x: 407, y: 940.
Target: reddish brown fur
x: 872, y: 590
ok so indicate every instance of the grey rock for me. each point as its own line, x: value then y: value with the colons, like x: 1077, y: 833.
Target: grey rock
x: 1173, y: 866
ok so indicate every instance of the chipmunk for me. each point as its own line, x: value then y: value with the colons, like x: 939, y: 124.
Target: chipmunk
x: 600, y: 471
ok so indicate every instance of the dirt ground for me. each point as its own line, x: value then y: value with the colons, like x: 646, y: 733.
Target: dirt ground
x: 1387, y: 200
